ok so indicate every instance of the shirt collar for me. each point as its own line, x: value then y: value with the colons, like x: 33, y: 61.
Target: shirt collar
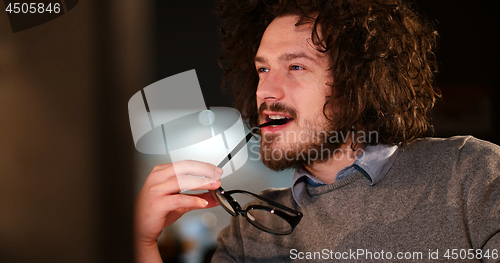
x: 374, y: 162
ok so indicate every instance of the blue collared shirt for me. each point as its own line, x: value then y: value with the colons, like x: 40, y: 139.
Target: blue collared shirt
x: 373, y: 162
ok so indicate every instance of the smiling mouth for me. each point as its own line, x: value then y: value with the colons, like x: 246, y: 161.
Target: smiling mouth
x: 276, y: 120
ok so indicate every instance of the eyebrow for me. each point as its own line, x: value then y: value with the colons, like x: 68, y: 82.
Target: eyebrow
x: 287, y: 57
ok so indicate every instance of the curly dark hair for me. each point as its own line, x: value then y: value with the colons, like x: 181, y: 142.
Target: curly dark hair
x: 382, y: 54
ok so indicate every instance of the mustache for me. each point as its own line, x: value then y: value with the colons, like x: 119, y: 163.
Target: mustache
x: 278, y: 107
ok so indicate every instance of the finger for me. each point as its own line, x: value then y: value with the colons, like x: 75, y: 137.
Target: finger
x: 176, y: 214
x: 160, y: 173
x: 161, y: 167
x: 209, y: 198
x: 183, y: 202
x: 197, y: 168
x: 187, y: 182
x: 189, y: 175
x: 176, y: 184
x: 187, y: 167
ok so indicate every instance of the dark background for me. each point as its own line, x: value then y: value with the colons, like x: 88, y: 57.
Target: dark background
x: 67, y: 177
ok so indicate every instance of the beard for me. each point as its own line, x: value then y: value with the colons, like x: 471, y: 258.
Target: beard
x: 311, y: 145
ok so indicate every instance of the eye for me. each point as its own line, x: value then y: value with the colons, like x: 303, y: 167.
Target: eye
x: 261, y: 70
x: 296, y: 67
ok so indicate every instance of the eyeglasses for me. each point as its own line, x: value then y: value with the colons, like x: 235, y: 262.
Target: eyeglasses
x: 275, y: 219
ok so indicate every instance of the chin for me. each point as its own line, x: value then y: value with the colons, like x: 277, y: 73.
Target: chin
x: 279, y: 165
x: 279, y: 155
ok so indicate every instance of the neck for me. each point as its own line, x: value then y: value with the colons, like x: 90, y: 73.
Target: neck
x: 327, y: 171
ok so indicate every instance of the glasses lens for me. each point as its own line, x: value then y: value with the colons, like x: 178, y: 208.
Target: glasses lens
x: 268, y: 221
x: 224, y: 203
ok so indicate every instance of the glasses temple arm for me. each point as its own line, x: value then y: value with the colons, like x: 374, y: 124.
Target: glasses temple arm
x: 247, y: 139
x: 236, y: 149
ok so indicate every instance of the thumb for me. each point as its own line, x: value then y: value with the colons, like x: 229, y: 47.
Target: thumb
x: 186, y: 203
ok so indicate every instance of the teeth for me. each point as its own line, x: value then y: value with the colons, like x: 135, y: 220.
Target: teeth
x: 276, y: 117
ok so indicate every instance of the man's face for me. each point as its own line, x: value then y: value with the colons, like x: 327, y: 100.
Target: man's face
x: 293, y: 79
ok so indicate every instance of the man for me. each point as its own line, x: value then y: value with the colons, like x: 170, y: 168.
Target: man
x: 354, y: 81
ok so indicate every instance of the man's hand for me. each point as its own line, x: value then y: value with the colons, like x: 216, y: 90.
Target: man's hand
x: 160, y: 202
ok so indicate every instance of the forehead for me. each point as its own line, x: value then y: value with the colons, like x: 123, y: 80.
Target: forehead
x: 283, y: 36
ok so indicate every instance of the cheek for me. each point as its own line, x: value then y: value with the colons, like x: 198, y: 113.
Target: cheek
x: 312, y: 101
x: 312, y: 110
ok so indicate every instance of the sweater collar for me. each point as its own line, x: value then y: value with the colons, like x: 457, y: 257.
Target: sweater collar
x: 374, y: 162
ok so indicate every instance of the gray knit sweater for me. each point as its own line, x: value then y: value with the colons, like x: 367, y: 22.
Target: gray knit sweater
x: 439, y: 195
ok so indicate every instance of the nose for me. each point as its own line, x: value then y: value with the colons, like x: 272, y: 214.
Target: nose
x: 271, y: 87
